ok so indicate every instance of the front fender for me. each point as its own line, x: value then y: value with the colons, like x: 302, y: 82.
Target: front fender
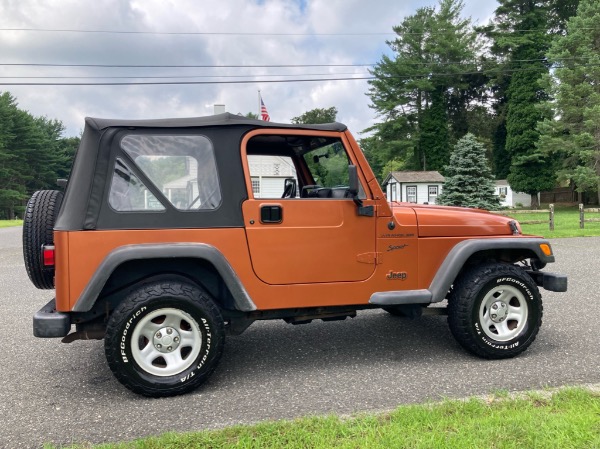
x: 460, y: 254
x: 454, y: 262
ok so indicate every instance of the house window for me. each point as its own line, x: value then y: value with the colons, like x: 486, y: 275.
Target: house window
x: 268, y: 174
x: 433, y: 193
x: 255, y: 186
x: 502, y: 191
x: 411, y: 194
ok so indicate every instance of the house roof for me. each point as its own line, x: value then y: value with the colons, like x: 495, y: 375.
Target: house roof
x: 501, y: 182
x: 415, y: 176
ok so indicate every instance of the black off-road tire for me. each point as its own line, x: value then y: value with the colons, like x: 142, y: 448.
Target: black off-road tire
x: 495, y: 310
x: 153, y: 317
x: 38, y: 230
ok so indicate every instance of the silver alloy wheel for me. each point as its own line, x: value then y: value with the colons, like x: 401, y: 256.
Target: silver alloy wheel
x: 166, y: 342
x: 503, y: 313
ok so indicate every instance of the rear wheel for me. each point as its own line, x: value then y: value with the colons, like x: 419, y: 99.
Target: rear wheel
x: 164, y: 339
x: 38, y: 230
x: 495, y: 311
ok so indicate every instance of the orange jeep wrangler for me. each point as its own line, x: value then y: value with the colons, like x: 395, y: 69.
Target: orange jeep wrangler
x: 173, y: 233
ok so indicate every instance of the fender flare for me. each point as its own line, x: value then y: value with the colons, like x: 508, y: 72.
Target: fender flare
x: 126, y: 253
x: 451, y: 266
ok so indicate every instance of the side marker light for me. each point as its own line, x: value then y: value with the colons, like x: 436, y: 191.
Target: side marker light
x: 546, y: 249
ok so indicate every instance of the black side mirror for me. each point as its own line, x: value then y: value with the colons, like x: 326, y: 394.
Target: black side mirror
x: 365, y: 211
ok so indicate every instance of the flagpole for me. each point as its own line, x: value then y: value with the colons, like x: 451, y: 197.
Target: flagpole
x: 259, y: 116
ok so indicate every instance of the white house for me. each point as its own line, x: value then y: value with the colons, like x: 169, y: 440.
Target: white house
x: 508, y: 198
x: 268, y: 175
x: 420, y: 187
x: 182, y: 191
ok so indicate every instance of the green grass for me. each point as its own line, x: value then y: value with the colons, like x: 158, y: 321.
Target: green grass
x: 569, y: 418
x: 566, y: 223
x: 9, y: 223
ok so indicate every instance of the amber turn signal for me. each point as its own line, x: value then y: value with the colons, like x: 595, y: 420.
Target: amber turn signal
x: 546, y: 249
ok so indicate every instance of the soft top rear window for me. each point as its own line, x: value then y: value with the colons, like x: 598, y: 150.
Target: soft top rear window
x: 182, y: 167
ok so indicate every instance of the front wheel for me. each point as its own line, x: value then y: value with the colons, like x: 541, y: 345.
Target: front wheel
x: 495, y: 310
x: 164, y: 339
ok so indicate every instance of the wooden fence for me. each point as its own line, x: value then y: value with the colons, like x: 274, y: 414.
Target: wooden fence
x: 582, y: 213
x: 549, y: 211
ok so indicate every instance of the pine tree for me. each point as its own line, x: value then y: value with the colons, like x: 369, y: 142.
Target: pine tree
x: 531, y: 170
x: 469, y: 180
x: 32, y: 155
x: 422, y: 93
x: 501, y: 159
x: 522, y: 32
x: 434, y: 142
x: 574, y: 133
x: 13, y: 161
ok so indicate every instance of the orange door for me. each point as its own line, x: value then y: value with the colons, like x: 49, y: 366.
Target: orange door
x: 296, y: 241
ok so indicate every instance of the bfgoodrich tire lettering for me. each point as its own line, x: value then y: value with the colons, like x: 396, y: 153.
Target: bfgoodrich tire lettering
x: 164, y: 339
x: 495, y: 311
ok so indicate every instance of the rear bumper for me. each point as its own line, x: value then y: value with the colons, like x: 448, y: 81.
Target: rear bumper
x: 549, y: 281
x: 48, y: 323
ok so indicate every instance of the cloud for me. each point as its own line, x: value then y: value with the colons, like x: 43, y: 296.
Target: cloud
x: 71, y: 104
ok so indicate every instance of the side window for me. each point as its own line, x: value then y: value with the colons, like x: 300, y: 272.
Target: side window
x: 128, y: 193
x: 183, y: 168
x: 328, y: 165
x: 291, y: 166
x: 269, y: 173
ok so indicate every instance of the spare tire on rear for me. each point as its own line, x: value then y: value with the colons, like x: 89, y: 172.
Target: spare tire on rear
x: 38, y: 230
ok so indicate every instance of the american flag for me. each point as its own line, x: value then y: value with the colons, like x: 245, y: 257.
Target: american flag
x: 263, y: 111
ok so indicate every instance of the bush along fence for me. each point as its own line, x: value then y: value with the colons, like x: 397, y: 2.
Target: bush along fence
x: 582, y: 213
x: 549, y: 211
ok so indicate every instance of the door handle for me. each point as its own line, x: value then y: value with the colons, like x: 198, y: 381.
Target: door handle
x: 271, y: 214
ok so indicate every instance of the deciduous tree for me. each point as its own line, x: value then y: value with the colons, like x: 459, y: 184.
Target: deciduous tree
x: 318, y: 115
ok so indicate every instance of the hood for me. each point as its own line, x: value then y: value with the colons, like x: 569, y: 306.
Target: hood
x: 447, y: 221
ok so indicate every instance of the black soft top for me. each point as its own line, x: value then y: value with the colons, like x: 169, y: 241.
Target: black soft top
x: 225, y: 119
x: 85, y: 206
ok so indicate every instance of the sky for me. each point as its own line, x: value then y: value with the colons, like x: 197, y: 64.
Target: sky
x: 294, y: 33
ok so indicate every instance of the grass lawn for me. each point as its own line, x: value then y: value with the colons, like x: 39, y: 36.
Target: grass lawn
x: 566, y: 223
x: 9, y: 223
x: 569, y: 418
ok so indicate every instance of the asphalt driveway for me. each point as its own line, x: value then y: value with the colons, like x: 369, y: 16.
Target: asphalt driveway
x: 65, y: 393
